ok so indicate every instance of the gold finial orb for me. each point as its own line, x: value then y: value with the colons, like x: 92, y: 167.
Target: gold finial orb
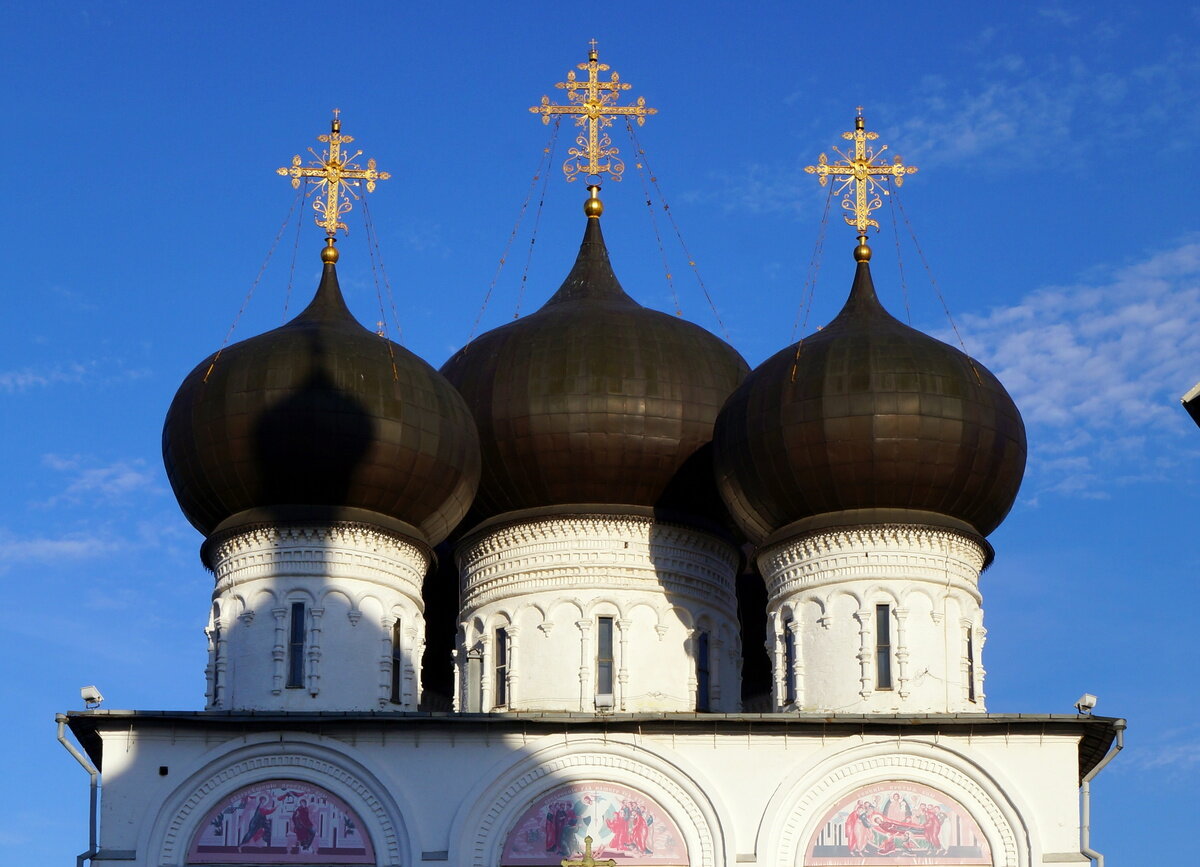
x: 593, y: 207
x: 862, y: 253
x: 329, y: 254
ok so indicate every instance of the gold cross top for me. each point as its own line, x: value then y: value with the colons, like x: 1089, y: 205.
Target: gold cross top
x: 336, y: 175
x: 861, y: 170
x: 588, y: 860
x: 593, y: 104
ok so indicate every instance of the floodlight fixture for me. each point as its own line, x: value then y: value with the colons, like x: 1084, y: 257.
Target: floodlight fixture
x: 91, y: 696
x: 1086, y: 703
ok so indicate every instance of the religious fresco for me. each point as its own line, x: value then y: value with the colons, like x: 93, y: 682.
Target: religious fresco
x: 625, y: 827
x: 281, y: 822
x: 897, y: 823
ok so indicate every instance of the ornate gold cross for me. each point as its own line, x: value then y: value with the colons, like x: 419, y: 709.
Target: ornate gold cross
x: 588, y: 860
x: 860, y: 170
x: 335, y: 175
x: 593, y: 103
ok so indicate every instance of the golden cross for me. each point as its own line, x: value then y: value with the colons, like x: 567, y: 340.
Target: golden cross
x: 861, y: 170
x: 588, y: 860
x: 593, y: 103
x: 335, y: 174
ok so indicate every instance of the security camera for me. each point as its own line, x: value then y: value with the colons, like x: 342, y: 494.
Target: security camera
x: 1086, y: 703
x: 91, y: 696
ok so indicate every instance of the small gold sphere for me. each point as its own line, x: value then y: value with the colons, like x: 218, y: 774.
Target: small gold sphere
x: 593, y: 207
x: 329, y: 254
x: 862, y: 253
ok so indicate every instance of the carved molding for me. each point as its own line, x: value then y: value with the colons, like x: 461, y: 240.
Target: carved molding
x: 888, y: 551
x: 622, y: 552
x: 337, y: 550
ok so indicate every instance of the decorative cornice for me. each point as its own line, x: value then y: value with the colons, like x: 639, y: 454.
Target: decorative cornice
x: 910, y: 552
x: 357, y: 551
x: 597, y: 552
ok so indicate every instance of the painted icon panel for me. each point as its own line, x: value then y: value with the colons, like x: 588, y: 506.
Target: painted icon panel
x: 625, y: 826
x: 281, y: 822
x: 897, y: 823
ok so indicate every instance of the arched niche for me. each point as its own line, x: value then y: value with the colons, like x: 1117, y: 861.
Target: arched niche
x: 623, y: 824
x: 281, y: 821
x: 897, y: 822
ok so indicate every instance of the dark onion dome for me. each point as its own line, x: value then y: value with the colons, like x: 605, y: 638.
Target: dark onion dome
x: 868, y: 421
x: 308, y: 421
x: 596, y: 400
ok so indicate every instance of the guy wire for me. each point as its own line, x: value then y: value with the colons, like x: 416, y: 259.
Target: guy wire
x: 641, y: 152
x: 899, y: 258
x: 374, y: 253
x: 537, y: 221
x: 810, y: 281
x: 543, y: 165
x: 937, y: 291
x: 250, y: 292
x: 641, y: 167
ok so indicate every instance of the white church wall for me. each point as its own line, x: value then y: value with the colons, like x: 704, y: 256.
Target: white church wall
x: 451, y: 791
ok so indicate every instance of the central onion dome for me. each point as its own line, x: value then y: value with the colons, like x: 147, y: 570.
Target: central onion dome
x: 869, y: 421
x: 321, y: 419
x: 596, y: 400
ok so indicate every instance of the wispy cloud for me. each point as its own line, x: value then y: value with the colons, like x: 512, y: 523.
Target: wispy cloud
x: 20, y: 550
x: 104, y: 371
x: 27, y: 378
x: 1017, y: 108
x: 1097, y: 369
x: 90, y: 482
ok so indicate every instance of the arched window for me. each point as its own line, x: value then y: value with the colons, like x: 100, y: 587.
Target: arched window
x: 501, y: 667
x: 296, y: 634
x: 703, y: 674
x: 883, y: 647
x: 397, y: 665
x: 789, y: 661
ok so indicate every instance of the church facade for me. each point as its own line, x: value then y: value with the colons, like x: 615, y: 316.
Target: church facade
x: 593, y: 593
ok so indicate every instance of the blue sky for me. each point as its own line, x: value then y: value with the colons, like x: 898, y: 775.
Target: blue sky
x: 1055, y: 144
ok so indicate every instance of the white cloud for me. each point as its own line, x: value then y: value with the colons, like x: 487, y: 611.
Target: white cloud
x: 1097, y: 370
x: 103, y: 371
x: 99, y: 483
x: 16, y: 549
x: 26, y: 378
x: 1019, y: 110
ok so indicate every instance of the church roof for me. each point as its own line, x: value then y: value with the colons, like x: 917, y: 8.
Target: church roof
x: 316, y: 417
x: 869, y: 420
x: 595, y: 399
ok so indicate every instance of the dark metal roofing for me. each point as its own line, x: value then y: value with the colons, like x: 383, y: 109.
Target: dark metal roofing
x: 596, y: 399
x: 311, y: 415
x: 869, y: 414
x: 1096, y: 733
